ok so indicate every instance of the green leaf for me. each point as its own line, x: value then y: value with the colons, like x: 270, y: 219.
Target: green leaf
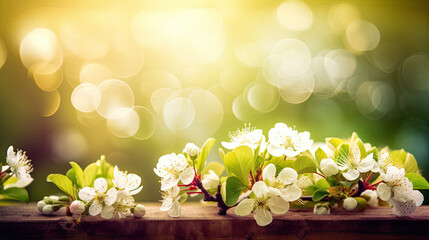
x: 304, y: 164
x: 419, y: 182
x: 410, y: 164
x: 332, y: 181
x: 104, y: 167
x: 399, y: 156
x: 183, y: 197
x: 280, y: 161
x: 319, y: 195
x: 239, y: 162
x: 335, y: 142
x: 19, y: 194
x: 78, y: 173
x: 215, y: 166
x: 310, y: 190
x: 10, y: 180
x: 320, y: 155
x: 354, y: 137
x: 347, y: 184
x: 341, y: 154
x: 62, y: 182
x: 322, y: 184
x: 89, y: 175
x: 202, y: 158
x: 70, y: 174
x: 374, y: 152
x: 361, y: 147
x: 233, y: 188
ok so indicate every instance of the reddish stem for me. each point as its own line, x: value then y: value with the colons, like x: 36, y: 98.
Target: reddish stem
x: 320, y: 174
x: 194, y: 192
x: 3, y: 171
x: 184, y: 185
x: 369, y: 177
x: 376, y: 184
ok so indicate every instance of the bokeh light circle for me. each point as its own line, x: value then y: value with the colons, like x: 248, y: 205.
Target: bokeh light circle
x: 94, y: 73
x: 147, y: 124
x: 123, y: 122
x: 362, y: 35
x: 3, y: 53
x: 83, y: 97
x: 112, y: 95
x: 415, y: 72
x: 295, y: 15
x: 178, y: 113
x: 263, y: 97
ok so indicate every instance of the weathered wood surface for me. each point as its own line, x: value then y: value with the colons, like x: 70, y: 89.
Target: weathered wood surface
x: 202, y: 222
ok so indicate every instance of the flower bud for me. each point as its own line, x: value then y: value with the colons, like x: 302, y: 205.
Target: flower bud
x: 211, y: 180
x: 350, y: 203
x: 54, y: 198
x: 371, y: 197
x: 192, y: 150
x: 139, y: 211
x: 63, y: 198
x: 321, y: 209
x: 329, y: 167
x: 77, y: 207
x: 47, y: 200
x: 40, y: 205
x: 48, y: 210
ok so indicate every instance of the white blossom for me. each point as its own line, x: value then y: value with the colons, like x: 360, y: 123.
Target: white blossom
x: 261, y: 203
x: 329, y: 167
x: 210, y: 180
x: 20, y: 167
x: 284, y: 185
x: 98, y: 196
x: 354, y: 165
x: 385, y: 160
x: 350, y: 203
x: 127, y: 181
x: 170, y: 201
x: 192, y: 150
x: 121, y: 207
x: 283, y: 140
x: 77, y: 207
x: 173, y: 168
x: 247, y: 136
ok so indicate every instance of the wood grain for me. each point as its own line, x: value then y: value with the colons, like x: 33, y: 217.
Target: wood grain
x: 201, y: 221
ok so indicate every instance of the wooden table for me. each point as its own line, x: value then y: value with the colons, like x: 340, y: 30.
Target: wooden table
x: 202, y: 222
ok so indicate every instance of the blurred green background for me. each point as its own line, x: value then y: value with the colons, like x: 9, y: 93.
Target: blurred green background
x: 135, y: 80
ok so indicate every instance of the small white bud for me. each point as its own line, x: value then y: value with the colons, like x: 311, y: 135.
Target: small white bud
x: 77, y: 207
x: 54, y: 198
x: 329, y: 167
x: 321, y: 209
x: 48, y: 210
x: 371, y: 196
x: 350, y: 203
x: 139, y: 211
x: 192, y: 150
x: 211, y: 180
x: 40, y: 205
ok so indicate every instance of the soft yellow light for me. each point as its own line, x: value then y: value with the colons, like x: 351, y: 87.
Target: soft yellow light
x: 52, y: 101
x: 112, y: 95
x: 341, y: 15
x: 147, y: 124
x: 178, y: 113
x: 340, y: 64
x: 242, y: 109
x: 3, y: 53
x: 94, y: 73
x: 154, y: 79
x: 263, y: 97
x: 152, y: 30
x: 83, y: 97
x: 123, y: 122
x: 69, y: 144
x: 46, y: 76
x: 362, y: 36
x: 295, y: 15
x: 160, y: 96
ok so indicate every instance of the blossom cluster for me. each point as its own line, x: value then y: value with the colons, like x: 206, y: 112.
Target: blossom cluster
x: 98, y: 193
x: 15, y: 175
x: 266, y: 176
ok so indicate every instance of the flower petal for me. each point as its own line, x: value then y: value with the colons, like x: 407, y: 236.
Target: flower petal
x: 100, y: 185
x: 245, y: 207
x: 269, y: 173
x: 418, y: 197
x: 277, y: 205
x: 291, y: 193
x: 134, y: 192
x: 169, y: 182
x: 133, y: 181
x: 187, y: 176
x: 167, y: 204
x: 260, y: 189
x: 384, y: 192
x: 403, y: 209
x: 275, y: 149
x: 87, y: 194
x: 229, y: 145
x: 20, y: 183
x: 111, y: 196
x: 119, y: 178
x: 175, y: 210
x: 290, y: 152
x: 95, y: 208
x: 351, y: 174
x: 107, y: 212
x: 287, y: 176
x: 366, y: 164
x: 262, y: 217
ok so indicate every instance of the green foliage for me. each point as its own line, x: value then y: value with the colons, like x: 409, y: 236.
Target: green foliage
x: 341, y: 154
x: 183, y: 197
x: 281, y: 162
x: 214, y: 166
x: 320, y: 155
x: 418, y: 181
x: 89, y: 175
x: 374, y: 152
x: 399, y: 156
x: 319, y: 195
x: 202, y: 158
x: 239, y: 162
x: 361, y: 147
x: 233, y: 188
x: 335, y: 142
x: 18, y: 194
x: 305, y: 164
x: 78, y: 172
x: 62, y: 182
x: 322, y: 184
x: 410, y: 164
